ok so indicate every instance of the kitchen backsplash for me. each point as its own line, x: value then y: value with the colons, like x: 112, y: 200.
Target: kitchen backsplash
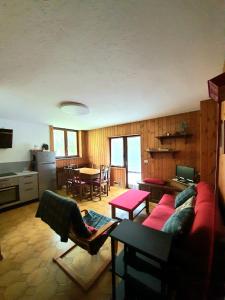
x: 18, y: 166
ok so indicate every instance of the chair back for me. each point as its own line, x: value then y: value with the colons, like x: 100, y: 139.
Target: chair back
x: 68, y: 173
x: 76, y: 176
x: 104, y: 173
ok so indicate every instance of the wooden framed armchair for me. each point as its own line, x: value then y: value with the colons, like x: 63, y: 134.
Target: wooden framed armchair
x: 89, y: 231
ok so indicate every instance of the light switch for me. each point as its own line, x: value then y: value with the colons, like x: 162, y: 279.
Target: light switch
x: 145, y: 161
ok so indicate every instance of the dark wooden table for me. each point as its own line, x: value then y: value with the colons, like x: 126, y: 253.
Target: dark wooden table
x: 157, y: 190
x: 151, y: 243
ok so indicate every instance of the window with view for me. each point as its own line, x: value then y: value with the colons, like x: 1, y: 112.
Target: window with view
x: 65, y: 142
x: 117, y: 150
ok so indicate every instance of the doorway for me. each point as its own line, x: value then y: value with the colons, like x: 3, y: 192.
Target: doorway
x: 133, y: 161
x: 125, y: 152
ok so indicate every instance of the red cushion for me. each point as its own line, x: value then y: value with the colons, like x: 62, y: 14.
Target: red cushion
x: 204, y: 193
x: 92, y: 229
x: 167, y: 200
x: 159, y: 216
x: 154, y: 181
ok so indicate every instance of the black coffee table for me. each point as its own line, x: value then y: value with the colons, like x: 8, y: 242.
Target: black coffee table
x: 154, y: 245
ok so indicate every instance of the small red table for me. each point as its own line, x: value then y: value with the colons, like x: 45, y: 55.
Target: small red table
x: 129, y: 201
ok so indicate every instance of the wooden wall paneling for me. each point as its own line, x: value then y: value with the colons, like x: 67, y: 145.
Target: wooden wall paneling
x: 152, y: 144
x: 118, y: 176
x: 212, y: 124
x: 162, y: 165
x: 222, y: 167
x: 143, y: 147
x: 166, y: 126
x: 208, y: 141
x: 160, y: 158
x: 172, y: 130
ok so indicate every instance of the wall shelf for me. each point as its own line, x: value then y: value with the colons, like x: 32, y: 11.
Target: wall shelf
x: 155, y: 151
x: 174, y: 136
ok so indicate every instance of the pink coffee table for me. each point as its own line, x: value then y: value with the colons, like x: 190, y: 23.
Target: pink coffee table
x: 129, y: 201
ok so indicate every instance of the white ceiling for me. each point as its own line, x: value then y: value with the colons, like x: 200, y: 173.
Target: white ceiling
x: 127, y: 60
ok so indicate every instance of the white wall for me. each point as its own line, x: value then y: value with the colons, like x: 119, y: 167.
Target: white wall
x: 25, y: 136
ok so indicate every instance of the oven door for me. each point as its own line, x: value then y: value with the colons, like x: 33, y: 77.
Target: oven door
x: 8, y: 194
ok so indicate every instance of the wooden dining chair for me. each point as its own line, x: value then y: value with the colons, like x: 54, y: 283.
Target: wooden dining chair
x: 102, y: 183
x: 78, y: 185
x: 74, y: 184
x: 89, y: 231
x: 68, y: 178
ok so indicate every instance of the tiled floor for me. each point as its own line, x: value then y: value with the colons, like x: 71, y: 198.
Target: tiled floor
x: 28, y: 245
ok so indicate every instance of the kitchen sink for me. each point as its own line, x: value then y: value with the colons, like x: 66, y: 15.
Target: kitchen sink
x: 7, y: 174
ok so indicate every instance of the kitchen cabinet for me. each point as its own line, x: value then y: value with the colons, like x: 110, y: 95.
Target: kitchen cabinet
x: 18, y: 188
x: 28, y: 187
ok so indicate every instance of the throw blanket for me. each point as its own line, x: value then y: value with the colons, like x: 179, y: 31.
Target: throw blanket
x: 96, y: 220
x: 59, y: 213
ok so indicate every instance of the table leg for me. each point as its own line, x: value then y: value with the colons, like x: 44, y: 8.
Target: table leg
x: 113, y: 269
x: 113, y: 212
x: 131, y: 217
x: 147, y: 205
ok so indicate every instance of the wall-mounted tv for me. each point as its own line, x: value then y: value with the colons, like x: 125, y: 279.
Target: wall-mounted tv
x: 6, y: 138
x: 184, y: 173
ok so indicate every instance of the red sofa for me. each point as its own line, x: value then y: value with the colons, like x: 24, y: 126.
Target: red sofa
x: 193, y: 255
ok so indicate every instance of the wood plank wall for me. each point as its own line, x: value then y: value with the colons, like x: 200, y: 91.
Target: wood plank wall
x: 208, y: 133
x: 163, y: 164
x: 222, y: 165
x: 118, y: 176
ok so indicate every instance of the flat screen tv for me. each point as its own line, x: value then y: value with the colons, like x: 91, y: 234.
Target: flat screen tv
x: 184, y: 173
x: 6, y: 137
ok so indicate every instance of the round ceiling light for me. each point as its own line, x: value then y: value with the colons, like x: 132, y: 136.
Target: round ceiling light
x: 74, y: 108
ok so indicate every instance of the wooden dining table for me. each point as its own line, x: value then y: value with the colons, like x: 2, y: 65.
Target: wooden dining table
x: 89, y: 174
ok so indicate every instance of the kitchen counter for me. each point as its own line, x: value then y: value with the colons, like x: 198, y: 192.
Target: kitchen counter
x: 18, y: 187
x: 15, y: 174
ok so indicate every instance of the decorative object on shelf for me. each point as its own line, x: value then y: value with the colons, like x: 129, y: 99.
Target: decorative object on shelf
x: 175, y: 135
x: 183, y: 127
x: 44, y: 147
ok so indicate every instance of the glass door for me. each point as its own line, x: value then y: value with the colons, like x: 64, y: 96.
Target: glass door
x: 133, y: 161
x: 125, y: 152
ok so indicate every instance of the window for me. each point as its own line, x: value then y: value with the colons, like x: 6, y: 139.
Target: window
x: 65, y: 142
x: 117, y: 152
